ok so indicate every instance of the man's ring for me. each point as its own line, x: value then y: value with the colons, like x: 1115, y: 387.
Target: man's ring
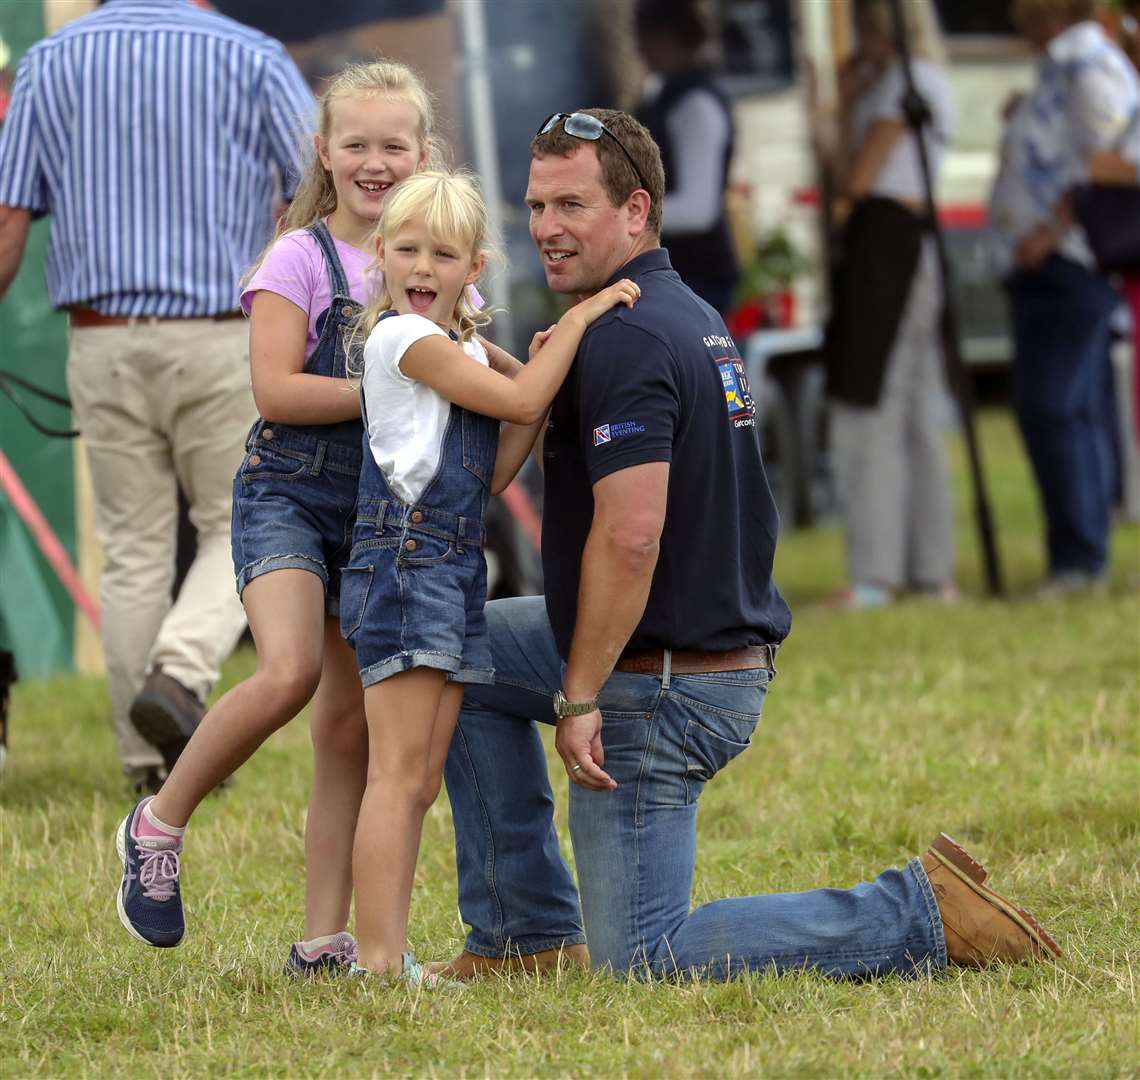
x: 575, y: 768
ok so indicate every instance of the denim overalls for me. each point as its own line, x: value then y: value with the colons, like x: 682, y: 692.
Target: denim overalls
x: 416, y: 582
x: 295, y: 493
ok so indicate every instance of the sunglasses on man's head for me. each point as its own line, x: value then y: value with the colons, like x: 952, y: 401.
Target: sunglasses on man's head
x: 584, y: 126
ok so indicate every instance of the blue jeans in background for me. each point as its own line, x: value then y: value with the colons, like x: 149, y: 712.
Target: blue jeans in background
x: 635, y: 847
x: 1062, y: 394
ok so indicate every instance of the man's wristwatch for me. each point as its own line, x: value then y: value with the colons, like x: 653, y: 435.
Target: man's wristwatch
x: 562, y: 707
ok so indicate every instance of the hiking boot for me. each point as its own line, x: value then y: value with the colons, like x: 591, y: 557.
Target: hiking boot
x: 166, y: 714
x: 469, y: 965
x: 149, y: 901
x: 334, y: 957
x: 148, y: 781
x: 981, y: 926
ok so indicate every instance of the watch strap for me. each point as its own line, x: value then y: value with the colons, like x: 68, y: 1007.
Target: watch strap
x: 563, y: 707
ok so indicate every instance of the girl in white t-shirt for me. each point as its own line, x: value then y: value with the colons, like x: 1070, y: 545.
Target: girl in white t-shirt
x: 294, y: 500
x: 415, y: 585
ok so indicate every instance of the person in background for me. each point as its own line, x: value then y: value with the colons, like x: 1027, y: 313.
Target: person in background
x: 884, y: 350
x: 1120, y: 165
x: 8, y: 677
x: 155, y: 134
x: 1086, y: 99
x: 690, y: 118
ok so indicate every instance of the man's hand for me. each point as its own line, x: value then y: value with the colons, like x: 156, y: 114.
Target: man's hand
x: 579, y: 744
x: 1035, y: 247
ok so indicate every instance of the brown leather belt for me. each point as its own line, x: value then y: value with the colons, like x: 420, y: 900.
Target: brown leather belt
x: 682, y: 662
x: 86, y: 317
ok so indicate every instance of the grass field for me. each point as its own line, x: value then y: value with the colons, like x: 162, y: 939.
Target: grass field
x: 1011, y: 725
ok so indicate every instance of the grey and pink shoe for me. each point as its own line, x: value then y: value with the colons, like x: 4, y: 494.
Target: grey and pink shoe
x: 149, y: 901
x: 333, y: 957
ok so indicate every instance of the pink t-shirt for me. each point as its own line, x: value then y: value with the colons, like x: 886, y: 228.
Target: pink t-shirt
x: 295, y: 269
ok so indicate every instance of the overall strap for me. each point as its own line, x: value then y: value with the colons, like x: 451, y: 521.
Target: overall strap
x: 338, y: 281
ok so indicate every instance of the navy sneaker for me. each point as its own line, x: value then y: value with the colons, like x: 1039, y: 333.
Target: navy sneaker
x: 333, y: 957
x: 149, y: 903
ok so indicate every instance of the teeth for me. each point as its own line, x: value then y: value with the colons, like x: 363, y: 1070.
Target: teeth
x: 558, y: 256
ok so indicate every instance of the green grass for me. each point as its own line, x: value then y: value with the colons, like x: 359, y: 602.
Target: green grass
x: 1011, y: 725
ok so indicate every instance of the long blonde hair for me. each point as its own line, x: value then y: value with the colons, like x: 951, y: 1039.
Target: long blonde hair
x: 454, y: 212
x: 316, y: 195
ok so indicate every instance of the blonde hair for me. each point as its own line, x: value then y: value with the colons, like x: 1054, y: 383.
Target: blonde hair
x: 454, y: 212
x: 316, y: 196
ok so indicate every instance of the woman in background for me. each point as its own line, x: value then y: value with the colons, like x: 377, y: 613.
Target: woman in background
x: 884, y: 352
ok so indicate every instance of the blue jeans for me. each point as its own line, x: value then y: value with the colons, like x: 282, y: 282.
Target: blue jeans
x: 635, y: 847
x: 1062, y: 394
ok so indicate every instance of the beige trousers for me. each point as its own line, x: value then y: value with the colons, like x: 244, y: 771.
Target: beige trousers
x: 162, y: 403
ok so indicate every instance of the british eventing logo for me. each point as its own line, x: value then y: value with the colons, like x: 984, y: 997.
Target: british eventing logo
x: 607, y: 432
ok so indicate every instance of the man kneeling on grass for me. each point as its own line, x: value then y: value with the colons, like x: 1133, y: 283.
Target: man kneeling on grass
x: 656, y: 644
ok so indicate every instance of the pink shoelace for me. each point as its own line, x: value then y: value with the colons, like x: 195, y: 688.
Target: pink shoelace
x: 158, y: 873
x: 346, y: 954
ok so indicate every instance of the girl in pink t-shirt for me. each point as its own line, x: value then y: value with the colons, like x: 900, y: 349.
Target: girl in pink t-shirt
x: 294, y: 505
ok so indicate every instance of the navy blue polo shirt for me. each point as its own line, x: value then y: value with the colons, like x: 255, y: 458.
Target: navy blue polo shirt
x: 664, y: 381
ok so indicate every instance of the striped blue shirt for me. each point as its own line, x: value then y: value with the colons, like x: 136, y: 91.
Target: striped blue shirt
x: 155, y: 134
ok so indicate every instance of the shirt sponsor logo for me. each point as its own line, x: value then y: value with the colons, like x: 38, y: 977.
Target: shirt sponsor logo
x: 608, y: 432
x: 718, y: 341
x: 737, y: 396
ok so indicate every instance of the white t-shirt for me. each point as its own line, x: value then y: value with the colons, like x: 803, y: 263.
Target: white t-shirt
x: 698, y: 124
x: 901, y: 174
x: 406, y: 419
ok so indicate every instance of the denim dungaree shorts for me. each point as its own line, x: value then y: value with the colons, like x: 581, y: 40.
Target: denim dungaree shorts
x: 416, y: 583
x: 295, y: 493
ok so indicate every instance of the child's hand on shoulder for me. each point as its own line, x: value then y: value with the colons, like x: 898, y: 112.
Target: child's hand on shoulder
x: 621, y: 292
x: 538, y: 341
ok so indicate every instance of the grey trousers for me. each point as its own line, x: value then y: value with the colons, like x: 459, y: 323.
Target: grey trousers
x: 890, y: 461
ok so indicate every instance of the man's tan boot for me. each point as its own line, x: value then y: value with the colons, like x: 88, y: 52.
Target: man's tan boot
x: 981, y: 926
x: 468, y: 965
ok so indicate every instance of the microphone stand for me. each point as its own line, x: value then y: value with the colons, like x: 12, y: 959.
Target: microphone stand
x: 918, y: 116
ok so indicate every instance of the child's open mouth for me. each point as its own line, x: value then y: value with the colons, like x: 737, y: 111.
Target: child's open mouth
x: 420, y: 299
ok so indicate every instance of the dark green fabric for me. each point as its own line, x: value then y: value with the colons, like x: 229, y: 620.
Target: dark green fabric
x: 33, y: 343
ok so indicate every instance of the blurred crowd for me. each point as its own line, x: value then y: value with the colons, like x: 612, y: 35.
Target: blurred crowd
x: 1065, y: 218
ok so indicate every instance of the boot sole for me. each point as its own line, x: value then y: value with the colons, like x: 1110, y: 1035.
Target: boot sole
x: 960, y: 857
x: 949, y: 854
x: 468, y: 967
x: 155, y: 723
